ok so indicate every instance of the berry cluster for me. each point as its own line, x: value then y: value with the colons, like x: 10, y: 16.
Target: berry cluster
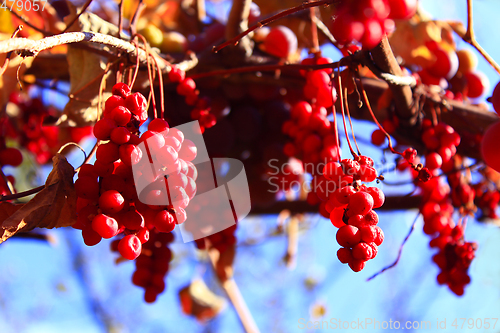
x: 152, y: 265
x: 312, y: 133
x: 367, y: 21
x: 350, y: 208
x: 108, y: 201
x: 187, y: 87
x: 28, y: 129
x: 454, y: 258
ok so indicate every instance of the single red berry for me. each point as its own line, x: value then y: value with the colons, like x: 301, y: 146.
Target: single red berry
x: 130, y: 247
x: 348, y: 236
x: 362, y: 251
x: 360, y: 203
x: 121, y: 89
x: 105, y: 226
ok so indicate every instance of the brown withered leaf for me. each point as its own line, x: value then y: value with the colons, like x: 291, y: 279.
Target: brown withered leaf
x: 8, y: 80
x: 199, y: 301
x: 52, y: 207
x: 86, y: 69
x: 85, y: 73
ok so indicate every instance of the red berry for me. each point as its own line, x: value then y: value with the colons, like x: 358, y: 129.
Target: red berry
x: 120, y: 135
x: 186, y: 87
x: 489, y: 146
x: 357, y: 265
x: 107, y: 153
x: 377, y: 195
x: 362, y: 251
x: 105, y: 226
x: 344, y: 255
x: 348, y: 236
x: 130, y: 247
x: 136, y: 103
x: 280, y: 42
x: 111, y: 202
x: 159, y: 126
x: 360, y: 203
x: 164, y: 221
x: 11, y: 156
x: 103, y: 128
x: 121, y: 89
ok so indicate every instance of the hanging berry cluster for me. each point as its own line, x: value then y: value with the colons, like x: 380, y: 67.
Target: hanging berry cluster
x: 314, y: 139
x: 152, y: 265
x: 28, y: 129
x: 350, y: 205
x: 187, y: 87
x: 454, y: 259
x: 108, y: 203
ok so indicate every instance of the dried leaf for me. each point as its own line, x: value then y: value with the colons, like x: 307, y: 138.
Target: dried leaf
x: 199, y: 301
x: 85, y: 72
x: 6, y: 25
x: 53, y: 207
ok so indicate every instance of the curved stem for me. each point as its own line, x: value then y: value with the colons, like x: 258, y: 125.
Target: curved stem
x: 21, y: 194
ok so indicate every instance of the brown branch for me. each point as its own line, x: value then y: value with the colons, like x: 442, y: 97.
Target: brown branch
x: 391, y: 203
x: 238, y: 22
x: 29, y: 47
x: 384, y: 59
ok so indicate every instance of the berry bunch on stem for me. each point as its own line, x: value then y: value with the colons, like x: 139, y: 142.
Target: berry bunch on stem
x: 109, y: 203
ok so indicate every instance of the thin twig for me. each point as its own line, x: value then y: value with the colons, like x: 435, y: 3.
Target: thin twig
x: 7, y: 57
x: 21, y: 194
x: 350, y: 121
x: 314, y: 28
x: 120, y: 17
x: 470, y: 38
x: 262, y: 68
x: 7, y: 182
x: 342, y: 104
x: 135, y: 18
x: 399, y: 252
x: 77, y: 16
x: 22, y: 18
x: 234, y: 41
x: 324, y: 29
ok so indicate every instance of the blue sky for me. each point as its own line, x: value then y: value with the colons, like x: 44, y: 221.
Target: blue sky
x: 40, y: 291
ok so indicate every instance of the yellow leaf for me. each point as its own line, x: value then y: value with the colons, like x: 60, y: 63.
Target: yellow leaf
x: 6, y: 25
x: 52, y: 207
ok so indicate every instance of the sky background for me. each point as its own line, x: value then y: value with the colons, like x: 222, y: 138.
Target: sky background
x: 68, y: 287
